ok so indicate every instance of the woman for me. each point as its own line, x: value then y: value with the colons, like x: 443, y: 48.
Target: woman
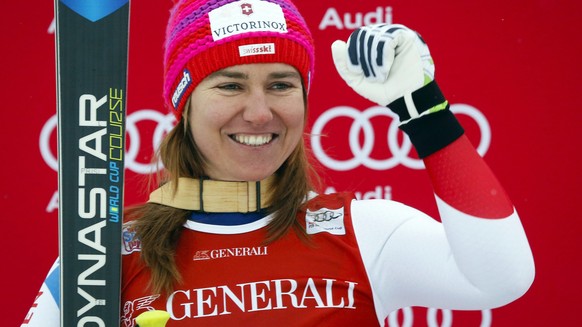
x: 235, y: 233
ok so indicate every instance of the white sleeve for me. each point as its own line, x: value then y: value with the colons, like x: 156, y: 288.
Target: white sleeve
x: 465, y: 263
x: 44, y: 311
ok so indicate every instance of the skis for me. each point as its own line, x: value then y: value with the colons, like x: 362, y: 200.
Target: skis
x: 92, y: 47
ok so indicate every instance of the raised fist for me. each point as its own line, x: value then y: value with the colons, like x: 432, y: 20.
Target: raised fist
x: 384, y: 63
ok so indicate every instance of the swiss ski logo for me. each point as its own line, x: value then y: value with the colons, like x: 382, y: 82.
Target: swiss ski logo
x: 256, y: 49
x: 325, y: 220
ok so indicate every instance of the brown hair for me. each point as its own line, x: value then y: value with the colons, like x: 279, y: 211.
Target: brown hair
x: 159, y: 227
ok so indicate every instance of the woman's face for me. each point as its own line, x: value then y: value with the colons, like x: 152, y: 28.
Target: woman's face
x: 247, y: 119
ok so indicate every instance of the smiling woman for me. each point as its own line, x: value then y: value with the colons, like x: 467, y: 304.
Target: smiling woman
x: 235, y: 233
x: 246, y: 120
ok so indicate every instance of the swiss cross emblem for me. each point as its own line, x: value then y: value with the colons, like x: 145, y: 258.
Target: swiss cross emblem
x: 247, y: 9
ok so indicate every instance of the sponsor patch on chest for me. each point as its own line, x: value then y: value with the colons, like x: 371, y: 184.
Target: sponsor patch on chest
x: 325, y: 220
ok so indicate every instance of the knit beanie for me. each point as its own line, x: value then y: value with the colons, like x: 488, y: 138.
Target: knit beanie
x: 204, y: 36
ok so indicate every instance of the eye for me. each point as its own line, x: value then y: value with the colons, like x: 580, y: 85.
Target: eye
x: 229, y: 86
x: 281, y: 86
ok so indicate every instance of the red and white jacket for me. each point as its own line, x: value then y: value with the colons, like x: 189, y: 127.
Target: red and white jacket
x: 366, y: 258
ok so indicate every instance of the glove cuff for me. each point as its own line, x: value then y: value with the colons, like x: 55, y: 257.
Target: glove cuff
x: 433, y: 132
x: 425, y: 100
x: 426, y: 119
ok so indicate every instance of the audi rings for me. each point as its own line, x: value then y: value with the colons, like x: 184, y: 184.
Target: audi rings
x: 361, y: 151
x: 319, y: 217
x: 400, y: 152
x: 164, y: 123
x: 431, y: 318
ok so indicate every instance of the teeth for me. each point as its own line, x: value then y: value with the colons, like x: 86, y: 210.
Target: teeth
x: 253, y: 140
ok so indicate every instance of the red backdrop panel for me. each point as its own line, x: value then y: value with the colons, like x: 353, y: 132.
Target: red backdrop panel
x: 510, y: 69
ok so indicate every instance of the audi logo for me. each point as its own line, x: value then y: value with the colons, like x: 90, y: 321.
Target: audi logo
x: 164, y: 124
x: 431, y: 318
x: 400, y: 153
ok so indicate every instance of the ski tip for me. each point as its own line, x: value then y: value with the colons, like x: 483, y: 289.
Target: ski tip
x: 154, y: 318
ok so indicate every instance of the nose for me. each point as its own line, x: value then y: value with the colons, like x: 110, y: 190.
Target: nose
x: 257, y: 109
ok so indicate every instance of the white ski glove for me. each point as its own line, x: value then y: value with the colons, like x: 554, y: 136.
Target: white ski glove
x: 391, y: 66
x: 384, y: 63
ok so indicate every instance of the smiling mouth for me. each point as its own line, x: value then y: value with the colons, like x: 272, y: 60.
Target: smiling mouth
x: 253, y: 140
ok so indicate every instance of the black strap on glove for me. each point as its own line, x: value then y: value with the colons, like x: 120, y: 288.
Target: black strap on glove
x: 430, y: 132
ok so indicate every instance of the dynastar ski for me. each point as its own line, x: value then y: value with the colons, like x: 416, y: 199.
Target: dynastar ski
x: 92, y: 49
